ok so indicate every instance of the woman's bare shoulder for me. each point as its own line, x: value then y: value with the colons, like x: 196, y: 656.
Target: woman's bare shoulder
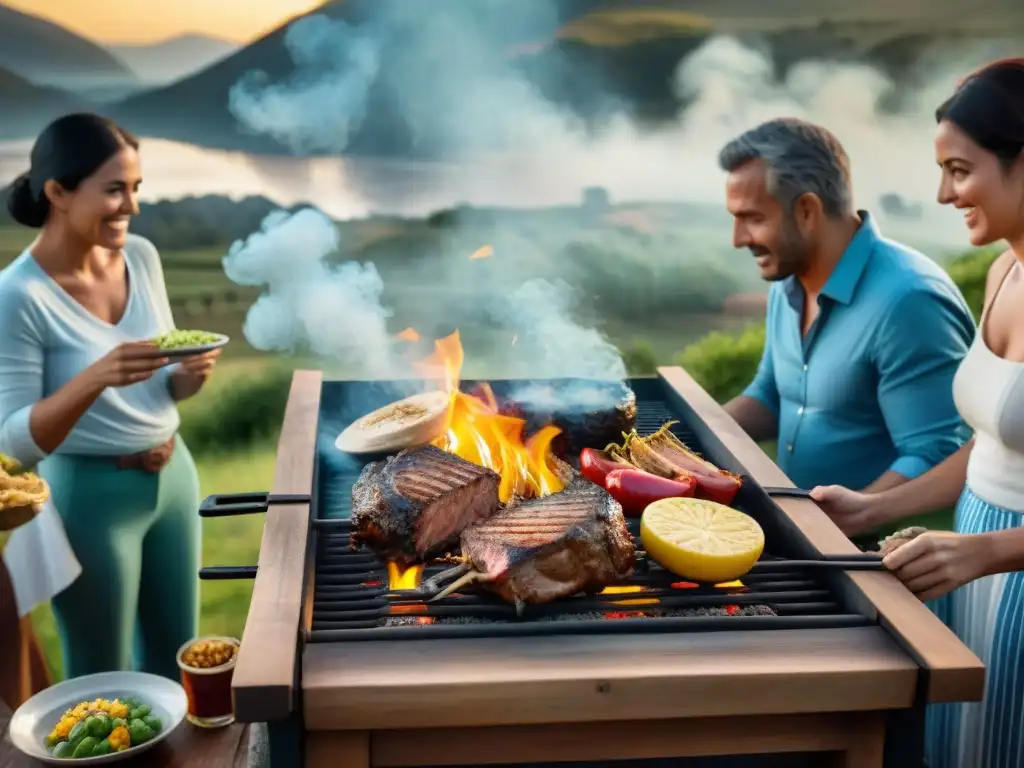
x: 997, y: 271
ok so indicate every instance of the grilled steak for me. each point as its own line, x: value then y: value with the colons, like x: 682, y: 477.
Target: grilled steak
x: 414, y: 505
x: 590, y: 414
x: 544, y: 549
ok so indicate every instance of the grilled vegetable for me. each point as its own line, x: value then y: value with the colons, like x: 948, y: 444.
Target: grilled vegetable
x: 664, y: 454
x: 177, y: 339
x: 98, y: 726
x: 85, y: 747
x: 120, y: 739
x: 595, y: 465
x: 635, y: 489
x: 95, y: 728
x: 64, y: 750
x: 139, y: 732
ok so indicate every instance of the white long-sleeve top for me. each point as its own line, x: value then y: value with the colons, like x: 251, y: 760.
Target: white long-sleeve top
x: 47, y: 338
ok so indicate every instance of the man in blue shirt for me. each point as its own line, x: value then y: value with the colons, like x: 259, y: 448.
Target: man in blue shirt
x: 864, y: 335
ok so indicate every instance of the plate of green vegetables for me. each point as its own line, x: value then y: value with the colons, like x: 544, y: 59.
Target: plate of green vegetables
x: 181, y: 343
x: 98, y: 719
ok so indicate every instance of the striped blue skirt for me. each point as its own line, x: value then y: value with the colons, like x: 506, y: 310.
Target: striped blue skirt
x: 988, y: 616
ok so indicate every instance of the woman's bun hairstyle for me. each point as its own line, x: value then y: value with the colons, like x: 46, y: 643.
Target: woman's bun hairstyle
x: 68, y: 151
x: 24, y: 207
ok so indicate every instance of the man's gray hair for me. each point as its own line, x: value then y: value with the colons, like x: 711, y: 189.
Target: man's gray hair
x: 801, y: 157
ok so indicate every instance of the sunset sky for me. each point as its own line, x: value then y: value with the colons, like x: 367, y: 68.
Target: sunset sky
x: 145, y: 21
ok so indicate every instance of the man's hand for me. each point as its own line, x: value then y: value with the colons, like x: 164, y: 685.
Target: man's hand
x: 937, y: 562
x: 852, y: 511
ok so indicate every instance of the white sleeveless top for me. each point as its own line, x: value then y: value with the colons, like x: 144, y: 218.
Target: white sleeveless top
x: 989, y: 393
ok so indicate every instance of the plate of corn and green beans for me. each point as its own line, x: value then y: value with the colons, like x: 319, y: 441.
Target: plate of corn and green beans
x: 98, y: 719
x: 181, y: 343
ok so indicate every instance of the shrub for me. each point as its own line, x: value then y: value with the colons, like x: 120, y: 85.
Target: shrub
x: 970, y: 271
x: 640, y: 358
x: 723, y: 363
x: 245, y: 409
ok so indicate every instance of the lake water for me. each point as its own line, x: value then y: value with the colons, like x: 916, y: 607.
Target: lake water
x: 353, y: 188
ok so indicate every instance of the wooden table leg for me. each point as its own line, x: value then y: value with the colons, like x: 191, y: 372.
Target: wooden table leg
x: 866, y: 748
x: 338, y: 749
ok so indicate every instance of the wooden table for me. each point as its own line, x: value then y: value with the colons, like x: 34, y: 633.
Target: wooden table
x: 187, y: 747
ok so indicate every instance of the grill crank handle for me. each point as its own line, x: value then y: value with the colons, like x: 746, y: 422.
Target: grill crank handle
x: 226, y: 572
x: 230, y: 504
x: 786, y: 492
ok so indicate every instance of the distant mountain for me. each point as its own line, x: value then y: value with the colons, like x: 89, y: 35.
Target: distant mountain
x: 195, y: 109
x: 585, y: 55
x: 33, y: 105
x: 170, y: 60
x: 47, y: 54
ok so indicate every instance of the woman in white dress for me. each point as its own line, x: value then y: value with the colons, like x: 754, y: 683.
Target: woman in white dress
x: 973, y: 576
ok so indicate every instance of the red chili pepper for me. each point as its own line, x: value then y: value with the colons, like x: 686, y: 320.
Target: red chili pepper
x: 635, y: 489
x: 595, y: 465
x: 721, y: 487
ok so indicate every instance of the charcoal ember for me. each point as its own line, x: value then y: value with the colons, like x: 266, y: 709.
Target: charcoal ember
x: 746, y: 610
x: 589, y: 413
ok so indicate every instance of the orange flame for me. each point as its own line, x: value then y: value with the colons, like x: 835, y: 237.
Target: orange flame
x: 404, y: 578
x: 477, y: 432
x: 409, y: 334
x: 483, y: 252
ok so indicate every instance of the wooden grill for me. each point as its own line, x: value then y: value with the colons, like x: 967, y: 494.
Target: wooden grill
x: 843, y: 682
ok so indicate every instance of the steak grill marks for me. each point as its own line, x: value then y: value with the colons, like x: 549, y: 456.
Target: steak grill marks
x: 351, y: 599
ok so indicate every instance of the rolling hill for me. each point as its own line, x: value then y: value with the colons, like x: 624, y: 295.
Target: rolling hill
x: 47, y: 54
x: 170, y: 60
x: 36, y: 105
x: 581, y: 56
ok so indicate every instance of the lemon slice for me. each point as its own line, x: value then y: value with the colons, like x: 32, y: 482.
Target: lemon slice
x: 701, y: 540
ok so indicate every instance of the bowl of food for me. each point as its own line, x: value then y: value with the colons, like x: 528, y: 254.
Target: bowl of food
x: 22, y: 494
x: 182, y: 343
x: 98, y: 719
x: 207, y: 665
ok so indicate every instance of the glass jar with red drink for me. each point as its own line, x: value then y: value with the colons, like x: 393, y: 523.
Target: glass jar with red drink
x: 207, y: 665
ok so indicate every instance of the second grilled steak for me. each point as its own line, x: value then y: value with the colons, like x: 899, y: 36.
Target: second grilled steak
x: 414, y: 505
x: 544, y: 549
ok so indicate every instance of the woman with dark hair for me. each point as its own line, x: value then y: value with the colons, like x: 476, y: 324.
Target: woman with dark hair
x: 974, y: 575
x: 90, y: 403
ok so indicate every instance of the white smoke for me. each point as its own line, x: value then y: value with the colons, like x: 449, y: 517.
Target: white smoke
x: 554, y: 343
x: 505, y: 144
x: 335, y: 65
x: 335, y: 311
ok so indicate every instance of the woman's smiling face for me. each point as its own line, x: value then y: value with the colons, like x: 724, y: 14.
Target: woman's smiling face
x: 988, y: 191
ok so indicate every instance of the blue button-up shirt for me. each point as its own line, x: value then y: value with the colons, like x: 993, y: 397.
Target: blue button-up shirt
x: 869, y: 388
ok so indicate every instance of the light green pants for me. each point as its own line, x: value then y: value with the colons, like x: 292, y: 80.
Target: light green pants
x: 137, y: 536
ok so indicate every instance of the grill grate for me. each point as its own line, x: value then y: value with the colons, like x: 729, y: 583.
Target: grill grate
x: 352, y: 601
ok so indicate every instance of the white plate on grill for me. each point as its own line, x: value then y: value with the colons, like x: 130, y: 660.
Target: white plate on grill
x: 198, y: 349
x: 407, y: 423
x: 34, y: 719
